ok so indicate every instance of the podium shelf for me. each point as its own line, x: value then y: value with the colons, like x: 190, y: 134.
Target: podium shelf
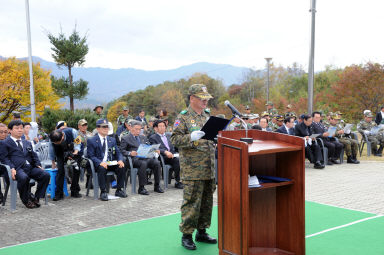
x: 268, y: 251
x: 271, y: 146
x: 272, y: 185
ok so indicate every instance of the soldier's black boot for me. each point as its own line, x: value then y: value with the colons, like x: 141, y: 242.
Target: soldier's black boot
x: 350, y: 160
x: 374, y: 152
x: 380, y: 151
x: 187, y: 242
x: 202, y: 236
x: 354, y: 157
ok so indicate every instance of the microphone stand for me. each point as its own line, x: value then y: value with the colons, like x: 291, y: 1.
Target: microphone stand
x: 246, y: 138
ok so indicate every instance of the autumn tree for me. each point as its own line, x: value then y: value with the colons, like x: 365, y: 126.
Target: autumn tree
x: 172, y: 101
x: 114, y: 111
x: 360, y: 87
x: 69, y: 52
x: 14, y: 89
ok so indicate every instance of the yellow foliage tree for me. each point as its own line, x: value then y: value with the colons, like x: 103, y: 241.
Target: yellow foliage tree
x: 15, y: 93
x: 114, y: 112
x: 172, y: 101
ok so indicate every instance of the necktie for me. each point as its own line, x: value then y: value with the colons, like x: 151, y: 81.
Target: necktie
x: 104, y: 146
x: 138, y: 139
x: 165, y: 141
x: 19, y: 145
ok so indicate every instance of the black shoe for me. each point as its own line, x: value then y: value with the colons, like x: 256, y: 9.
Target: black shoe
x: 149, y: 182
x: 350, y: 160
x: 334, y: 161
x: 58, y: 197
x: 29, y: 204
x: 1, y: 198
x: 355, y: 159
x: 329, y: 162
x: 143, y: 191
x: 202, y: 236
x: 36, y: 201
x: 158, y: 189
x: 179, y: 185
x: 75, y: 194
x: 120, y: 193
x: 318, y: 165
x: 187, y: 242
x: 104, y: 196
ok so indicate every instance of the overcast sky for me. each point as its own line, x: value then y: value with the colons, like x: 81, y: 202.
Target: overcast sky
x: 166, y: 34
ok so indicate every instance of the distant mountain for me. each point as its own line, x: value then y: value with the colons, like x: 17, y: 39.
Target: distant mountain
x: 106, y: 84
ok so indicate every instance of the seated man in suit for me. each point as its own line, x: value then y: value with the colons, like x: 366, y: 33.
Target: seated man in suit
x: 129, y: 145
x: 24, y: 163
x: 287, y: 127
x: 312, y: 150
x: 166, y: 150
x: 103, y: 150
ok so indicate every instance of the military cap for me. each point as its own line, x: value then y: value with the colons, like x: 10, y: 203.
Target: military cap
x: 200, y: 91
x: 289, y: 106
x: 247, y: 107
x: 253, y: 116
x: 265, y: 113
x: 97, y: 106
x: 245, y: 116
x: 368, y: 113
x: 335, y: 116
x: 102, y: 123
x: 290, y: 114
x: 339, y: 113
x: 279, y: 117
x: 125, y: 108
x: 269, y: 103
x: 60, y: 124
x: 329, y: 113
x: 16, y: 114
x: 82, y: 122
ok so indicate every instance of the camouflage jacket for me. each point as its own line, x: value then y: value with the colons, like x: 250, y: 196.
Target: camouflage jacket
x: 365, y: 126
x: 124, y: 133
x: 338, y: 128
x: 196, y: 158
x: 272, y: 111
x: 121, y: 119
x: 150, y: 131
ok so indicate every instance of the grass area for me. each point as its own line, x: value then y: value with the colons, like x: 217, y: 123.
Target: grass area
x: 364, y: 156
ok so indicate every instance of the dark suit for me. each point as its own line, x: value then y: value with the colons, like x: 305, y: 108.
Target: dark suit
x: 378, y: 118
x: 96, y: 154
x: 129, y: 143
x: 283, y: 130
x: 312, y: 152
x: 174, y: 162
x: 141, y: 119
x: 26, y: 163
x: 334, y: 147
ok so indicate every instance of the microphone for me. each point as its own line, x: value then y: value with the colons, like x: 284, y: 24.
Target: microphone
x: 233, y: 109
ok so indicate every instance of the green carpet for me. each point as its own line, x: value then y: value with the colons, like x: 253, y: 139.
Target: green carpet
x: 161, y: 236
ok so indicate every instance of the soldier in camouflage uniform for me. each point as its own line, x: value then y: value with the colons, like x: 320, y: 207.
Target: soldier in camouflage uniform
x: 197, y: 158
x: 289, y: 112
x: 121, y: 119
x: 270, y: 109
x: 365, y: 126
x: 351, y: 146
x: 99, y: 111
x: 149, y: 130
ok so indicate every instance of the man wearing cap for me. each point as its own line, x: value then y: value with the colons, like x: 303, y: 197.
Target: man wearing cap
x: 270, y: 109
x: 99, y: 111
x: 368, y: 127
x: 16, y: 115
x: 289, y: 111
x: 65, y: 144
x: 84, y: 134
x: 121, y: 119
x: 197, y: 157
x: 127, y: 128
x: 149, y: 130
x: 106, y: 156
x: 247, y: 110
x: 351, y: 146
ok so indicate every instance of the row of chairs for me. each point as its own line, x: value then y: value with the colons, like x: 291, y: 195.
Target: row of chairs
x: 42, y: 150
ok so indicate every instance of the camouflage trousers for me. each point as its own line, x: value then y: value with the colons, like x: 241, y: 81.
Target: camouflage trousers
x: 196, y: 210
x: 351, y: 146
x: 376, y: 140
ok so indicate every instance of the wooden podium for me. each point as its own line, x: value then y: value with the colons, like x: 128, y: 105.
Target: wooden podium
x: 265, y: 220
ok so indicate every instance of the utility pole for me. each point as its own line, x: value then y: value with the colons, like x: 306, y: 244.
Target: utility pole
x: 311, y: 65
x: 31, y: 88
x: 268, y: 60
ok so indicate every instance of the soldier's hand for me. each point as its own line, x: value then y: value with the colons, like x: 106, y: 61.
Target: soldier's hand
x: 196, y: 135
x: 340, y: 132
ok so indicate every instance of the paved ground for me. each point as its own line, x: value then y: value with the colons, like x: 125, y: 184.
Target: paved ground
x: 358, y: 187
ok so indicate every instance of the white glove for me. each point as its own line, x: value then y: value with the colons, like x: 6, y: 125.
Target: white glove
x: 305, y: 142
x: 196, y: 135
x: 309, y: 141
x: 366, y: 132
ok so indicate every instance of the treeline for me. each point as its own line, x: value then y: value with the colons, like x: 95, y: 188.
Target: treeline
x: 350, y: 90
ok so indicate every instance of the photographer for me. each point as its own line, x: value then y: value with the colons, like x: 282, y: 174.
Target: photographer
x: 66, y: 144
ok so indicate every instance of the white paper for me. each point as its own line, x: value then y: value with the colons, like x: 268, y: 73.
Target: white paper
x: 347, y: 128
x: 253, y: 182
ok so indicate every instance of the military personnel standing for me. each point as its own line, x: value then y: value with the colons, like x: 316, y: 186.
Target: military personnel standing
x: 365, y: 127
x: 351, y: 146
x: 197, y: 158
x: 270, y: 109
x: 121, y: 119
x: 289, y: 112
x: 99, y: 111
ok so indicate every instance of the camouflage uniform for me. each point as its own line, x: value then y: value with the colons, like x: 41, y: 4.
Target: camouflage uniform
x: 121, y: 119
x: 272, y: 111
x: 365, y: 127
x: 351, y: 146
x: 197, y: 169
x: 124, y: 133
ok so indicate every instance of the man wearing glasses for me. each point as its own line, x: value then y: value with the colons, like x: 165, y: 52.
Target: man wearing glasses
x: 106, y: 156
